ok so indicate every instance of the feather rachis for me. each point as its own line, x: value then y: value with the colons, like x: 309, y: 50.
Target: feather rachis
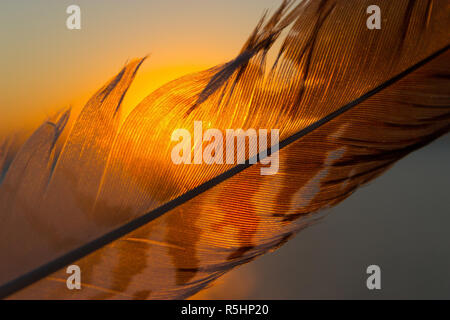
x: 319, y: 169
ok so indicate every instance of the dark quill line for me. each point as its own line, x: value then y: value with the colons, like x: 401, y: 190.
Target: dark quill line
x: 66, y: 259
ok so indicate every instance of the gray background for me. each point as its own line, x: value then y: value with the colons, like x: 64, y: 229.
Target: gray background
x: 400, y: 222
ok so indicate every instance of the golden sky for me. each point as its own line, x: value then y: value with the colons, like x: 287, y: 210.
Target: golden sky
x: 46, y: 67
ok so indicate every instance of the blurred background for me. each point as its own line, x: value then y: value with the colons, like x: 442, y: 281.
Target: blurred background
x: 47, y: 67
x: 399, y: 222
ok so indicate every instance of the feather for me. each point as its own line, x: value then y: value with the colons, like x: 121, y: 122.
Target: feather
x: 348, y: 102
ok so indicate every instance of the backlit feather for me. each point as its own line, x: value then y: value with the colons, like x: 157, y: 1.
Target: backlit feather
x: 348, y: 101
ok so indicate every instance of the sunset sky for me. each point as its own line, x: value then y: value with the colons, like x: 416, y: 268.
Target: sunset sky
x: 47, y: 67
